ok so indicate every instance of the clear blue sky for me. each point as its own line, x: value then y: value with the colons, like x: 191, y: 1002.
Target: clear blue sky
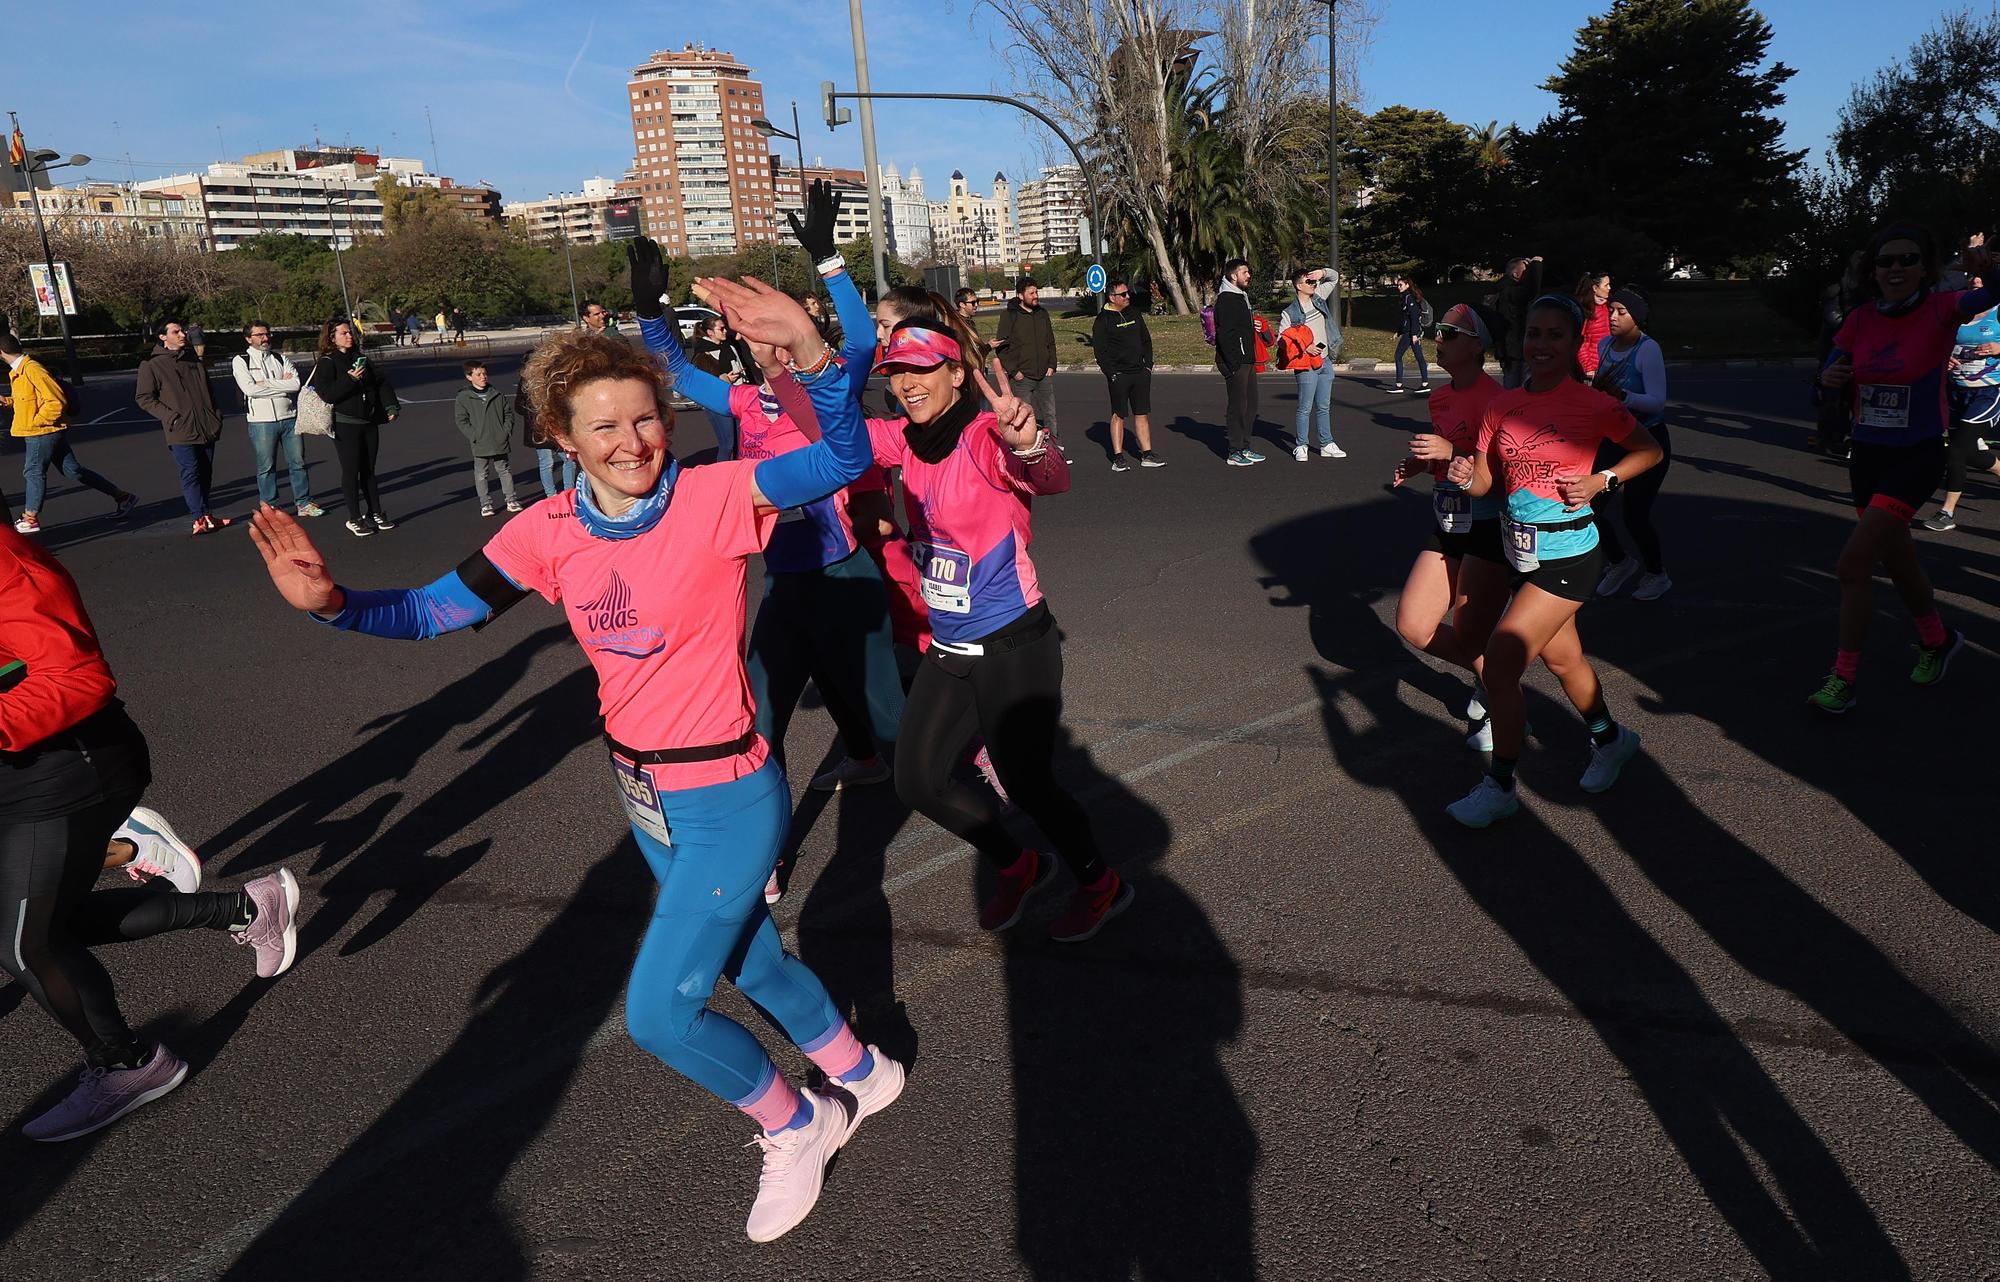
x: 530, y: 96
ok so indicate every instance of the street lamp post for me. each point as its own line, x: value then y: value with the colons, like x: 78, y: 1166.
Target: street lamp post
x: 38, y: 162
x: 1332, y: 145
x: 763, y: 126
x: 333, y: 238
x: 562, y: 229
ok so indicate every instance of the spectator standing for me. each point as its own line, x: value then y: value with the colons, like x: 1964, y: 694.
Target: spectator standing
x: 967, y: 304
x: 1236, y: 360
x: 1413, y: 322
x: 1593, y: 295
x: 1521, y: 287
x: 1124, y: 348
x: 545, y: 453
x: 824, y: 321
x: 442, y: 325
x: 596, y: 316
x: 41, y: 420
x: 1312, y: 335
x: 718, y: 352
x: 486, y: 420
x: 1027, y: 344
x: 413, y: 329
x: 457, y: 325
x: 362, y: 401
x: 269, y: 383
x: 396, y: 326
x: 173, y: 388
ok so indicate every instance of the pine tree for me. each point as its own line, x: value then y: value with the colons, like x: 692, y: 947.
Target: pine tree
x: 1665, y: 125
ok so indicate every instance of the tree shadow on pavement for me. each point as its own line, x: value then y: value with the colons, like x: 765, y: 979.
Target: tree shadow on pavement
x: 420, y: 1193
x: 1760, y: 1164
x: 1106, y: 1187
x: 430, y: 845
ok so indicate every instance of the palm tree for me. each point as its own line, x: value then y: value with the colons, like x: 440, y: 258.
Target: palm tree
x: 1491, y: 145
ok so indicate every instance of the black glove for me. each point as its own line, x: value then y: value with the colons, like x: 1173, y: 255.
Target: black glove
x: 822, y: 208
x: 649, y: 276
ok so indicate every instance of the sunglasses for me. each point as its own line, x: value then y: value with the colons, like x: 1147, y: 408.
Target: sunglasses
x: 1121, y: 293
x: 1310, y: 280
x: 1453, y: 331
x: 1898, y: 260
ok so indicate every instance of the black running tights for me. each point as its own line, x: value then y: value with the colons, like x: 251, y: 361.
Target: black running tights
x: 50, y: 919
x: 357, y: 445
x: 1014, y: 699
x: 1639, y: 495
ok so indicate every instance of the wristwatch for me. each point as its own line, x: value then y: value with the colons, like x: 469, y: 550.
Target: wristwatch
x: 1611, y: 481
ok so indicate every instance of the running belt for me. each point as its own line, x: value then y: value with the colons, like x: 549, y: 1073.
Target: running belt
x: 680, y: 756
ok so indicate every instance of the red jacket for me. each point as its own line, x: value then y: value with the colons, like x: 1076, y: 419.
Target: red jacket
x: 1266, y: 340
x: 43, y: 624
x: 1596, y: 325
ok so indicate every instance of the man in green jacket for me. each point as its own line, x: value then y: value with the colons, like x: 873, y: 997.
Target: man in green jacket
x: 1027, y: 346
x: 486, y: 419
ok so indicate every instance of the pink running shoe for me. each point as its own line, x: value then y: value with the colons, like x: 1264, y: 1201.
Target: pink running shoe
x: 795, y: 1166
x: 275, y: 934
x: 1090, y: 908
x: 875, y: 1092
x: 103, y: 1095
x: 162, y: 853
x: 1032, y: 871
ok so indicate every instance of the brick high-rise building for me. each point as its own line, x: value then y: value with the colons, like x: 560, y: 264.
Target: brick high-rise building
x: 702, y: 174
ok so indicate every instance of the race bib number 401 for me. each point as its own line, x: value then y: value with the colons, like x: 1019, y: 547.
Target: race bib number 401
x: 947, y: 577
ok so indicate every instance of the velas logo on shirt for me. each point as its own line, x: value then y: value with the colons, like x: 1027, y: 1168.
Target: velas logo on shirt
x: 611, y: 623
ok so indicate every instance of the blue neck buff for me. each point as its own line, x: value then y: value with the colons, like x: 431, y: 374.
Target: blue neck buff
x: 635, y: 520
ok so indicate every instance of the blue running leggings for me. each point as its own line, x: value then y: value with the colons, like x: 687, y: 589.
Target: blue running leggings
x: 711, y: 921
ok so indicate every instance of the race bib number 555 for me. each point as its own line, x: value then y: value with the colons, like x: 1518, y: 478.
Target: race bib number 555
x: 642, y: 800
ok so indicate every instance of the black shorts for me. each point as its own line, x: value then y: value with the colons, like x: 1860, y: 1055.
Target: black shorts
x: 1897, y: 479
x: 1131, y: 392
x: 1482, y: 541
x: 1573, y: 578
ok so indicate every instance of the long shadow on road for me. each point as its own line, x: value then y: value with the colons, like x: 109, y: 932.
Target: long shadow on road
x: 1714, y: 1101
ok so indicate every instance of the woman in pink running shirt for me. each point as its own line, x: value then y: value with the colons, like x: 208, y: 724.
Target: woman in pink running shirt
x: 648, y: 562
x: 1889, y: 361
x: 994, y: 665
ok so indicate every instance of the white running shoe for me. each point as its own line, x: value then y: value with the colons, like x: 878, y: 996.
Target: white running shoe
x: 875, y: 1092
x: 1607, y: 761
x: 773, y: 892
x: 1301, y: 453
x: 1652, y: 586
x: 849, y: 773
x: 1485, y: 804
x: 1481, y: 740
x: 161, y: 851
x: 1330, y: 450
x: 795, y: 1166
x: 1617, y: 575
x: 1475, y: 707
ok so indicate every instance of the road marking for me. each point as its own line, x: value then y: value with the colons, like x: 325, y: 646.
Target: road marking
x: 107, y: 414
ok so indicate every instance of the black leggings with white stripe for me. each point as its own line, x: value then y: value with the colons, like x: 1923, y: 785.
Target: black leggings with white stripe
x: 50, y: 920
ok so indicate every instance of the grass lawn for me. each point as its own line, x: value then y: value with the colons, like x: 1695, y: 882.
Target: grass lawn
x: 1695, y: 320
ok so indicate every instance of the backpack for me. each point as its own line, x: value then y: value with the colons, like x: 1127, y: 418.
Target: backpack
x: 1424, y: 316
x: 1208, y: 324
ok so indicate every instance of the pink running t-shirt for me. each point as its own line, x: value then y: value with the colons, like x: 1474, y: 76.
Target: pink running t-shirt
x: 969, y: 527
x: 660, y: 615
x: 1899, y: 393
x: 808, y: 538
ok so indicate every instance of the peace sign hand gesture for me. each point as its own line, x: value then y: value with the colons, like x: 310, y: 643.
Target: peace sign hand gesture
x: 297, y: 568
x: 1015, y: 417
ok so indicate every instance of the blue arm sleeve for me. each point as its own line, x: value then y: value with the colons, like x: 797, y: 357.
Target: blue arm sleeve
x: 698, y: 385
x: 857, y: 331
x: 840, y: 455
x: 411, y: 614
x: 1974, y: 301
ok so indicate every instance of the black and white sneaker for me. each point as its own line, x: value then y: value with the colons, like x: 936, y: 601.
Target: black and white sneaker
x: 359, y: 529
x: 1150, y: 459
x: 383, y: 522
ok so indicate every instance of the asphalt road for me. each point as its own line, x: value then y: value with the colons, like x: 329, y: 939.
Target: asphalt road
x: 1734, y: 1018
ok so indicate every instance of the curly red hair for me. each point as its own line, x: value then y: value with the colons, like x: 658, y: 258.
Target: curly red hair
x: 570, y: 361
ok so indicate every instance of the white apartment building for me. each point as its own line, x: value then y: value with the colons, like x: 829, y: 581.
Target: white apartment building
x: 849, y: 225
x: 101, y: 208
x: 579, y: 218
x: 906, y: 214
x: 327, y: 195
x: 1053, y: 211
x: 975, y: 231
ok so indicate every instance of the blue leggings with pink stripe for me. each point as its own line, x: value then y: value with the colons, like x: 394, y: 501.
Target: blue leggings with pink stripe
x: 711, y: 921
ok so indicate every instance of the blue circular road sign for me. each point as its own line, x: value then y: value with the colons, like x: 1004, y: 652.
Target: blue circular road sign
x: 1093, y: 280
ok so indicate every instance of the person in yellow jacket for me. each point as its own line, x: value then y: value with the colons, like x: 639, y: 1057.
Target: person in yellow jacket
x: 41, y: 420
